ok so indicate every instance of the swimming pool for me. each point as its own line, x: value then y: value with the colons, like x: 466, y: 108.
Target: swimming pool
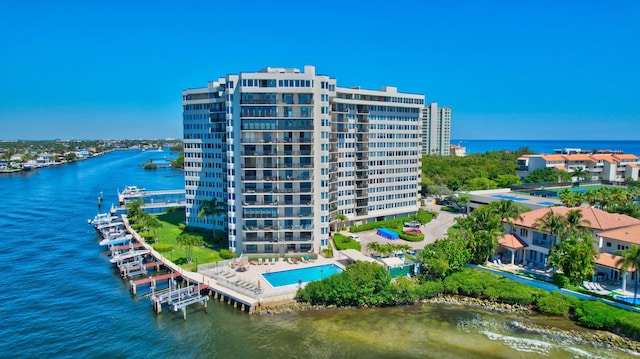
x: 547, y: 203
x: 626, y: 299
x: 513, y: 198
x: 295, y: 276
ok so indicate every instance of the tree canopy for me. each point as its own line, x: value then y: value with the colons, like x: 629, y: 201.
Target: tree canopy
x: 444, y: 256
x: 472, y: 171
x: 546, y: 175
x: 575, y: 255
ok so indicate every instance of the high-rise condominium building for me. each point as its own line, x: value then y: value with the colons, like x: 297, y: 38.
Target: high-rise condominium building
x: 436, y: 130
x: 287, y: 151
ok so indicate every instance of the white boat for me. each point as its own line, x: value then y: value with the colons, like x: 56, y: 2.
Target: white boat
x: 132, y: 190
x: 128, y: 255
x: 29, y: 165
x: 109, y: 235
x: 102, y: 218
x: 116, y: 241
x: 110, y: 225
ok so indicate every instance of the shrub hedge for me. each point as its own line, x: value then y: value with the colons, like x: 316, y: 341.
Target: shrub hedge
x: 343, y: 242
x: 364, y: 286
x: 554, y: 304
x: 561, y: 280
x: 412, y: 237
x: 163, y: 247
x: 227, y: 254
x: 431, y: 288
x: 396, y: 224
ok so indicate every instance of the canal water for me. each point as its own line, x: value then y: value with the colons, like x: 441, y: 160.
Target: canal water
x: 60, y: 297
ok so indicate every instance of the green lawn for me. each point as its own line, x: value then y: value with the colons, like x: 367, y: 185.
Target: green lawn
x: 168, y: 233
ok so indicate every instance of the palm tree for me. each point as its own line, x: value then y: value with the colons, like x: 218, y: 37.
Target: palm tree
x: 592, y: 197
x: 570, y: 198
x: 153, y: 223
x: 551, y: 223
x: 212, y: 208
x: 604, y: 196
x: 340, y: 217
x: 508, y: 211
x: 630, y: 259
x: 481, y: 229
x: 187, y: 241
x: 575, y: 223
x: 134, y: 209
x: 374, y: 247
x: 580, y: 173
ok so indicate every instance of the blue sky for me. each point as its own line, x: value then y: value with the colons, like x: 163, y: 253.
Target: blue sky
x: 509, y: 69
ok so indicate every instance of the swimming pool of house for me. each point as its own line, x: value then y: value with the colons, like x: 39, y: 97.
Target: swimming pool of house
x: 626, y: 299
x: 301, y: 275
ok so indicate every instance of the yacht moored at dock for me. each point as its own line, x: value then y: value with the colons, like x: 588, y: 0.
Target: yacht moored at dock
x: 123, y: 239
x: 129, y: 255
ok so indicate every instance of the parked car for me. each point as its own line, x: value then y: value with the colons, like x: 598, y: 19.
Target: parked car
x: 355, y: 238
x: 412, y: 224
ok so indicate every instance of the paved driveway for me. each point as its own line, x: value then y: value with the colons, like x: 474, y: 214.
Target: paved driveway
x: 433, y: 230
x: 437, y: 228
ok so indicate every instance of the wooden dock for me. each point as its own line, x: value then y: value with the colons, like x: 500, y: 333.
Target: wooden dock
x: 199, y: 288
x: 180, y: 298
x: 152, y: 280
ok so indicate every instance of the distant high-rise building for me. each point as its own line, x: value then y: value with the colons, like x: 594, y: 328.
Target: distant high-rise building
x: 287, y: 152
x: 436, y: 130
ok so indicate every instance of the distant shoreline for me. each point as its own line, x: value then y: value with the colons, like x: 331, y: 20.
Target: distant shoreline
x: 546, y: 146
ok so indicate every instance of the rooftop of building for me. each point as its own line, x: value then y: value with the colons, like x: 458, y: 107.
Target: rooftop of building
x: 629, y: 234
x: 598, y: 219
x: 608, y: 157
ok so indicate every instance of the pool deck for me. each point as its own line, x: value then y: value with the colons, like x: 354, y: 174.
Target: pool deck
x: 256, y: 284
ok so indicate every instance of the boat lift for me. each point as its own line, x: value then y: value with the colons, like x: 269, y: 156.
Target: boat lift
x: 179, y: 298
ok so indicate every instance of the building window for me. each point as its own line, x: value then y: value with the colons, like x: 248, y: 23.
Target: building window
x: 608, y: 244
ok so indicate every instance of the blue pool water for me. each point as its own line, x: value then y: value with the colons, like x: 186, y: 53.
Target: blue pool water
x: 503, y: 196
x: 547, y: 203
x: 626, y: 299
x: 295, y: 276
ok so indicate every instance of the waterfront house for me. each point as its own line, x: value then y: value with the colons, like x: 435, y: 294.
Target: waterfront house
x: 82, y: 154
x: 607, y: 263
x: 525, y: 243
